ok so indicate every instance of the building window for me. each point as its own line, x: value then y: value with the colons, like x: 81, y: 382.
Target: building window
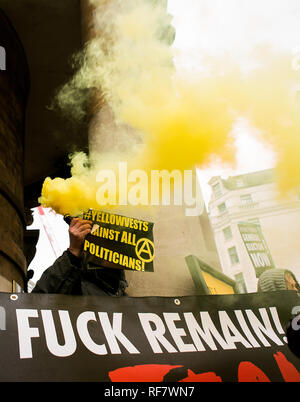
x: 240, y: 283
x: 239, y: 182
x: 227, y: 233
x: 233, y: 255
x: 246, y: 199
x: 217, y: 190
x: 222, y: 207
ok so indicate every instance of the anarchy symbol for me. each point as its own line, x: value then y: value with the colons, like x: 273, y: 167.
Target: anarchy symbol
x: 145, y: 246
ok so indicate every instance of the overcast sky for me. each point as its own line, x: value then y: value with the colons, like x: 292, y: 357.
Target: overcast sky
x: 234, y: 25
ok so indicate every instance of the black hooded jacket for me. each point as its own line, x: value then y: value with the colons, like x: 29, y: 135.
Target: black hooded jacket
x: 74, y: 276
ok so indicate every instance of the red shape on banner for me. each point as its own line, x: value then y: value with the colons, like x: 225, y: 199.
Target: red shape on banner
x: 249, y: 372
x: 142, y: 373
x: 204, y: 377
x: 41, y: 211
x: 287, y: 369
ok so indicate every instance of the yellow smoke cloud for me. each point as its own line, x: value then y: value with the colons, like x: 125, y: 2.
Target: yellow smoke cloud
x: 182, y: 122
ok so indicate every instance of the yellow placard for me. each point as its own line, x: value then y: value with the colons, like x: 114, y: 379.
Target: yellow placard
x: 216, y: 286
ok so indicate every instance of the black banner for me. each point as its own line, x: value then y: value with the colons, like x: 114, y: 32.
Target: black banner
x: 215, y: 338
x: 118, y: 241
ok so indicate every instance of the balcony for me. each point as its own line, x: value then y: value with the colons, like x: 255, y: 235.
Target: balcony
x: 249, y: 205
x: 238, y: 210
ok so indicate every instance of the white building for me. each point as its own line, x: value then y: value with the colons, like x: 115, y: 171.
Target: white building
x: 254, y: 198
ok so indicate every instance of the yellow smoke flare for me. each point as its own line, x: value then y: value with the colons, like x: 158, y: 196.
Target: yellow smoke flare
x: 183, y: 122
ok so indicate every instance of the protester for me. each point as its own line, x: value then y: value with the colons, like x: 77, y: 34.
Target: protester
x: 293, y: 335
x: 277, y: 279
x: 73, y: 274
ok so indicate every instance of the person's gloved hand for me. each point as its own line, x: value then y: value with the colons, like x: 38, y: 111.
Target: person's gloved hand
x: 78, y: 229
